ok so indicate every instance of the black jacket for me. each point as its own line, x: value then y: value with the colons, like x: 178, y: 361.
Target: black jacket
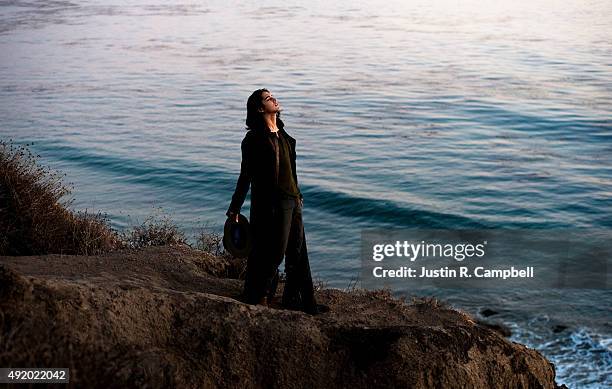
x: 259, y: 170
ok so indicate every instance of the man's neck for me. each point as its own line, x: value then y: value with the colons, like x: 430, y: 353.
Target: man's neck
x: 270, y: 121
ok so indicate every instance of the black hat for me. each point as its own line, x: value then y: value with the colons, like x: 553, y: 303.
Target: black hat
x: 237, y: 236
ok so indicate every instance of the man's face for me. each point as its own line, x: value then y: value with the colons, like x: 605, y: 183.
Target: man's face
x: 269, y: 102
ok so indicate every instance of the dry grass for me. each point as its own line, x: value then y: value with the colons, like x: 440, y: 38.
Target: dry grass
x: 427, y: 302
x: 155, y: 230
x: 210, y: 242
x: 34, y: 211
x: 320, y: 284
x: 353, y: 285
x: 35, y: 218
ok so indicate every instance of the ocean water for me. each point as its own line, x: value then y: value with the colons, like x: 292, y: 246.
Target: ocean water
x: 420, y: 114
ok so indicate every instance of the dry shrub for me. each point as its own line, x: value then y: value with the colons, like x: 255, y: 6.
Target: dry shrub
x: 155, y: 230
x: 35, y: 218
x: 353, y: 285
x: 428, y: 303
x: 210, y: 242
x: 320, y: 284
x: 34, y: 211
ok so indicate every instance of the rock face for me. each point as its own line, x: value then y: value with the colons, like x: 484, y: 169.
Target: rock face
x: 167, y: 317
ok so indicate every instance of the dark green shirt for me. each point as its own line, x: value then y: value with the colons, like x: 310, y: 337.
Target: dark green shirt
x: 286, y: 184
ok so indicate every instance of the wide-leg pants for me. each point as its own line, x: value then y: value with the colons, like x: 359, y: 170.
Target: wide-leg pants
x: 281, y: 236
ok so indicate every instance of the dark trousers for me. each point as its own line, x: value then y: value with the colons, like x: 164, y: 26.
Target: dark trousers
x: 282, y: 236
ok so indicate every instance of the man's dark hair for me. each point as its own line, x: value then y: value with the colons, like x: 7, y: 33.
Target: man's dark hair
x: 254, y: 119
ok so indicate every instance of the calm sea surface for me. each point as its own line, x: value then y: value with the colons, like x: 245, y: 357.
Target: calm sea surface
x: 420, y: 114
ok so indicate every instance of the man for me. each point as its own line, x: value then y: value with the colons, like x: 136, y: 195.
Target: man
x: 268, y: 167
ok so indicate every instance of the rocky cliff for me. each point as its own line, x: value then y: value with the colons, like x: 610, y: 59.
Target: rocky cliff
x: 170, y: 317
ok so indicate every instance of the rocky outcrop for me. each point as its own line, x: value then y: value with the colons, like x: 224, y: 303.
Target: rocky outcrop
x: 171, y: 317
